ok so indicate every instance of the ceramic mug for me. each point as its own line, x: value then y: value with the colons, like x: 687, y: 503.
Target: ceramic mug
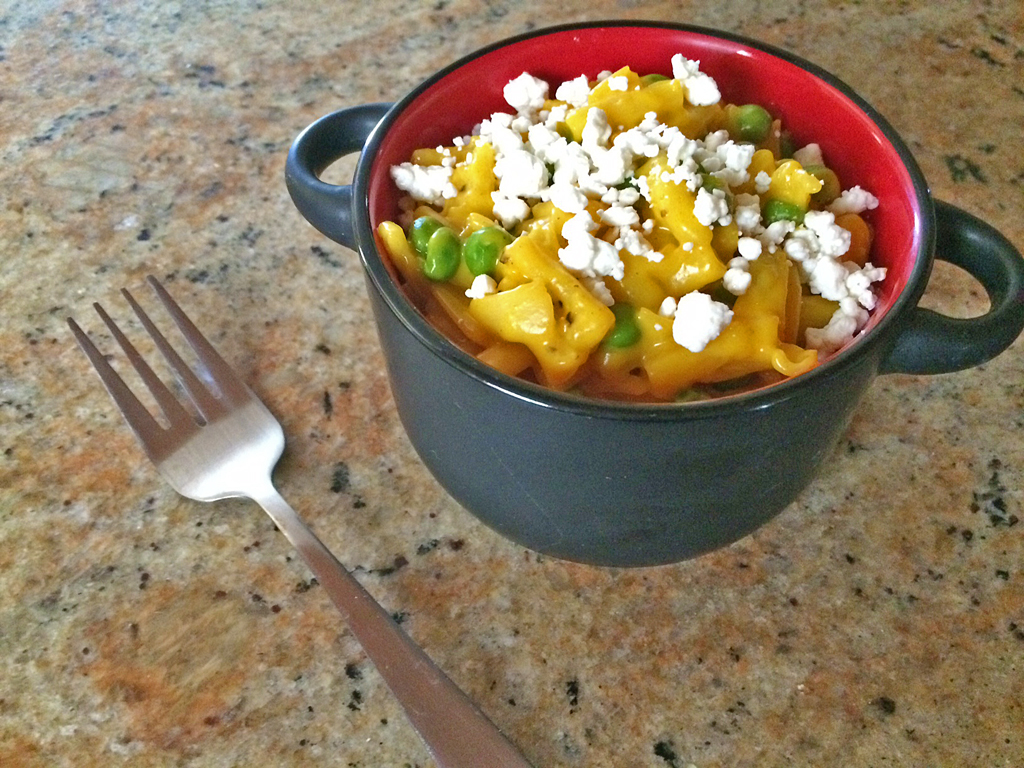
x: 623, y: 484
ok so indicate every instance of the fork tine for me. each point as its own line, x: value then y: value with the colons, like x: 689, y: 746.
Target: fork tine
x: 135, y: 413
x: 168, y: 403
x: 232, y: 387
x: 207, y: 404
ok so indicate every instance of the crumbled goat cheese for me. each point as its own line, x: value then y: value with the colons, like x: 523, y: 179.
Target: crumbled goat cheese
x: 737, y: 277
x: 596, y: 131
x: 612, y: 165
x: 854, y: 200
x: 841, y: 328
x: 542, y: 139
x: 644, y: 187
x: 567, y: 198
x: 715, y: 140
x: 618, y: 83
x: 809, y: 155
x: 596, y: 286
x: 735, y: 159
x: 749, y: 248
x: 587, y: 254
x: 762, y: 182
x: 526, y: 93
x: 575, y: 92
x: 497, y: 130
x: 699, y: 319
x: 748, y: 214
x: 522, y: 174
x: 701, y: 89
x: 833, y: 240
x: 482, y: 285
x: 620, y: 216
x: 509, y: 210
x: 711, y: 208
x: 625, y: 196
x: 828, y: 278
x: 801, y: 246
x: 557, y: 114
x: 773, y: 235
x: 859, y: 281
x: 632, y: 241
x: 428, y: 183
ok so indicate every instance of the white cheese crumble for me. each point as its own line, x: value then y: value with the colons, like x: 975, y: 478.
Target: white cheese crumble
x: 521, y: 174
x: 853, y: 200
x: 762, y: 182
x: 587, y: 254
x: 509, y: 210
x: 482, y: 286
x: 567, y: 198
x: 632, y: 241
x: 575, y: 92
x: 833, y: 240
x: 596, y: 286
x: 526, y: 93
x: 427, y: 183
x: 737, y: 277
x: 711, y: 207
x: 620, y: 216
x: 748, y: 213
x: 809, y: 155
x: 749, y: 248
x: 841, y: 328
x: 698, y: 319
x: 701, y: 89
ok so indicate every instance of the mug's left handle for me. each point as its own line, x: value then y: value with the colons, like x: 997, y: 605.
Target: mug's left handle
x: 328, y: 207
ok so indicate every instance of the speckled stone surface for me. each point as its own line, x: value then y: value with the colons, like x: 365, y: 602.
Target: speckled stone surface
x: 878, y: 621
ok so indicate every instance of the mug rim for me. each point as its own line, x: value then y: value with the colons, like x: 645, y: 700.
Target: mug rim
x: 537, y: 394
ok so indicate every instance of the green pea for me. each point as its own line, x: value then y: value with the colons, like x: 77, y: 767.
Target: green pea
x: 626, y: 331
x: 420, y: 232
x: 787, y: 144
x: 654, y: 77
x: 483, y: 247
x: 752, y: 123
x: 777, y: 210
x: 443, y: 254
x: 711, y: 183
x: 830, y: 188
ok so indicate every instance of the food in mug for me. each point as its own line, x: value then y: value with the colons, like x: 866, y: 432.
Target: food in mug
x: 635, y: 238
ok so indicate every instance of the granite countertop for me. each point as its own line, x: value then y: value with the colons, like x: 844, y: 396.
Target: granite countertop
x: 878, y: 621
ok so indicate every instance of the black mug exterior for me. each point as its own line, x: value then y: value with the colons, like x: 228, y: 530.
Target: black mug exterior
x: 634, y: 489
x: 634, y: 485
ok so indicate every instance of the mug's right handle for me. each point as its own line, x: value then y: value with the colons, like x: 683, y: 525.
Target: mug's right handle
x: 935, y: 343
x: 328, y: 207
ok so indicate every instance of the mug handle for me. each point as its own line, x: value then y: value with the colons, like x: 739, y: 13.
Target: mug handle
x: 935, y: 343
x: 328, y: 207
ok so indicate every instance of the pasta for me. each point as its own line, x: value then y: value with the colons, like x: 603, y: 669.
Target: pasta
x: 633, y: 238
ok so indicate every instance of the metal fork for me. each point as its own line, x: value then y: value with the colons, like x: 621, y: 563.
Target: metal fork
x: 231, y: 451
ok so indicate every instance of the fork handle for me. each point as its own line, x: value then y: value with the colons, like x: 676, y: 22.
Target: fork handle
x: 454, y: 729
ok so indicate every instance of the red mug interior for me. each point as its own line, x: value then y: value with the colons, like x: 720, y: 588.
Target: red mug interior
x: 812, y: 109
